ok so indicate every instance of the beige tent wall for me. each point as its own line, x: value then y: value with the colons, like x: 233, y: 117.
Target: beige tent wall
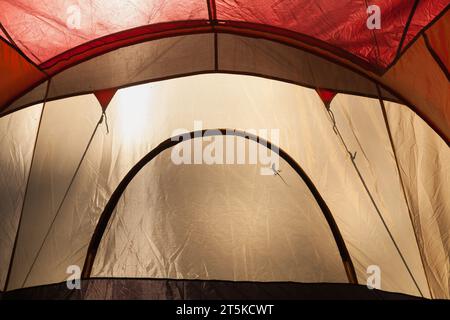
x: 424, y: 161
x: 364, y: 133
x: 17, y: 137
x: 141, y: 117
x: 222, y: 222
x: 64, y: 133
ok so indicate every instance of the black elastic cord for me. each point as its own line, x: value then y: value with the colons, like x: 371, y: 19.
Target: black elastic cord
x: 63, y: 200
x: 402, y: 184
x: 104, y: 117
x: 352, y: 157
x: 16, y: 239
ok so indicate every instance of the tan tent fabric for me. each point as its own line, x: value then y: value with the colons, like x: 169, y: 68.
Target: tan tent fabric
x: 17, y: 137
x: 59, y: 149
x: 222, y: 222
x: 140, y: 117
x: 361, y: 124
x: 424, y: 161
x: 165, y: 58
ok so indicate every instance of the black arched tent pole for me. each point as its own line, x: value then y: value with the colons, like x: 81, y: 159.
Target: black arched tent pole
x: 171, y: 142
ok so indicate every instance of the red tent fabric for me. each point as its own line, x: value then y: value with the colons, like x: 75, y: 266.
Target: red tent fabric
x: 338, y: 25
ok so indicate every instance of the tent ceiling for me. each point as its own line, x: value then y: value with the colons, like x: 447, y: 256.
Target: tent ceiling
x: 39, y: 28
x: 39, y: 40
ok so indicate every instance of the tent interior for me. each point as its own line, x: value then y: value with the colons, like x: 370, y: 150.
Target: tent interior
x: 92, y: 117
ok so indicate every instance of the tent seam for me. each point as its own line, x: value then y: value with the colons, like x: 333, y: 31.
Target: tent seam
x: 389, y: 132
x: 64, y: 198
x: 405, y: 31
x: 352, y: 157
x: 436, y: 57
x: 11, y: 262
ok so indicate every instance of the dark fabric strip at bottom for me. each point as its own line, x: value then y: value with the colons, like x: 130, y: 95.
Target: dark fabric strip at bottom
x: 167, y: 289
